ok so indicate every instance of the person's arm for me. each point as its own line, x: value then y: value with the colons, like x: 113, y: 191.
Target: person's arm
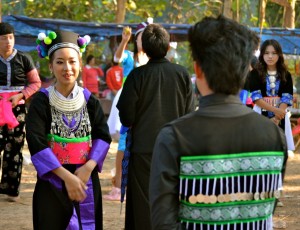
x: 164, y: 182
x: 101, y: 138
x: 126, y: 34
x: 190, y: 104
x: 34, y: 83
x: 74, y: 185
x: 100, y: 72
x: 127, y: 104
x: 109, y: 79
x: 256, y: 85
x: 279, y: 112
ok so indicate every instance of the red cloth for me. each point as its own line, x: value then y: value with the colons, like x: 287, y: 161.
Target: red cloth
x: 90, y: 78
x: 114, y: 77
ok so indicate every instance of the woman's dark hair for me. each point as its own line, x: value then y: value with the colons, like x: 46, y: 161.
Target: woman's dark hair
x: 89, y: 58
x: 280, y: 66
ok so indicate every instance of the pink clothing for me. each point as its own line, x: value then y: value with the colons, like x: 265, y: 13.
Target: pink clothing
x: 114, y: 77
x: 7, y: 116
x: 71, y: 153
x: 90, y: 78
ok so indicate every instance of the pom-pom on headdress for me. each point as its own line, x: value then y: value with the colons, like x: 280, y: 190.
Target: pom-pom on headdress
x: 46, y: 45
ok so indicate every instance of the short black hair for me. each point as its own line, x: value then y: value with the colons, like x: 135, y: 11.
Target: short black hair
x: 155, y: 41
x: 6, y: 28
x: 223, y: 49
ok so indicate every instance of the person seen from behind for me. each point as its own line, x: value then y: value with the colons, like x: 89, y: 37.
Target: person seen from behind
x: 221, y: 166
x: 114, y: 78
x: 153, y: 95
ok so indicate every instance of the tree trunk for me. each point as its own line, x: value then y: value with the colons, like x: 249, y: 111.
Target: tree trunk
x: 227, y: 8
x: 121, y: 10
x: 289, y: 17
x: 262, y: 12
x: 289, y: 12
x: 120, y: 17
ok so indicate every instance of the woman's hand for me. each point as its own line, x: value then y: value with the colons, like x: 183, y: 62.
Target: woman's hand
x: 74, y: 185
x: 126, y: 34
x: 15, y: 99
x: 275, y: 120
x: 75, y: 188
x: 84, y: 172
x: 279, y: 113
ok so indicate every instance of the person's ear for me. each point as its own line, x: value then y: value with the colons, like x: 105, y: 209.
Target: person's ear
x: 198, y: 70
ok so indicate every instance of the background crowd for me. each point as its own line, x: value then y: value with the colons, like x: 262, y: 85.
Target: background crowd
x: 172, y: 166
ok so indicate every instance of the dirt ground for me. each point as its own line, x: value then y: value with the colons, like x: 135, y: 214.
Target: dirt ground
x: 18, y: 216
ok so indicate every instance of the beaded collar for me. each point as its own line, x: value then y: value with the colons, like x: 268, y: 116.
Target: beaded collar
x: 70, y: 117
x: 66, y: 105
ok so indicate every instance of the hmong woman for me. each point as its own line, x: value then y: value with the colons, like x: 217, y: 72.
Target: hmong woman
x: 68, y: 140
x: 271, y: 84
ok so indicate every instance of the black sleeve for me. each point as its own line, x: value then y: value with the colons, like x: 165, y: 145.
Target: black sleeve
x: 28, y: 63
x: 164, y: 182
x: 287, y: 87
x: 38, y: 121
x: 190, y: 104
x: 98, y: 120
x: 128, y: 100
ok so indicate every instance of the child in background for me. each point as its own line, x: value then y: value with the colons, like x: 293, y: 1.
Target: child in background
x: 114, y: 78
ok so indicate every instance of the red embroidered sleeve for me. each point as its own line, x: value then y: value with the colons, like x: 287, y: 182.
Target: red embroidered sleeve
x: 34, y: 83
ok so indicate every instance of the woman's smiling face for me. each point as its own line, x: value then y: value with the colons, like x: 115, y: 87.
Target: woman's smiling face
x: 65, y: 66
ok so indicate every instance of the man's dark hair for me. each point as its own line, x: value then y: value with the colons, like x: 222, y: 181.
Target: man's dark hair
x: 223, y: 49
x: 155, y: 41
x: 6, y: 28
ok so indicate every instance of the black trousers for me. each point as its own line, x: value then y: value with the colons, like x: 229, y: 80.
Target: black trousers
x: 11, y: 144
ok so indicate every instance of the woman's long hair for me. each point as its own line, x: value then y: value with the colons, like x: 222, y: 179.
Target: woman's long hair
x: 262, y: 66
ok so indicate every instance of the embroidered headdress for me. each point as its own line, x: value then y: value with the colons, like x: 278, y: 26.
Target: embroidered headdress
x: 60, y: 39
x: 143, y: 25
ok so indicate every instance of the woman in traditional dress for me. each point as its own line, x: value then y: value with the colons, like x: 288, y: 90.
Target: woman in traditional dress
x: 271, y: 87
x: 271, y: 84
x: 68, y: 140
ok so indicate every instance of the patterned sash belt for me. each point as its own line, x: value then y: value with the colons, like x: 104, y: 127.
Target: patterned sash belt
x: 273, y: 101
x: 70, y: 150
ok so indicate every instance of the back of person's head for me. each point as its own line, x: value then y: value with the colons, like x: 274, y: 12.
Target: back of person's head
x: 113, y: 62
x: 6, y: 28
x: 223, y: 49
x: 89, y: 58
x: 155, y: 41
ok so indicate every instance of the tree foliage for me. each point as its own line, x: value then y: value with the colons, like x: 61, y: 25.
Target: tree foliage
x: 172, y: 11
